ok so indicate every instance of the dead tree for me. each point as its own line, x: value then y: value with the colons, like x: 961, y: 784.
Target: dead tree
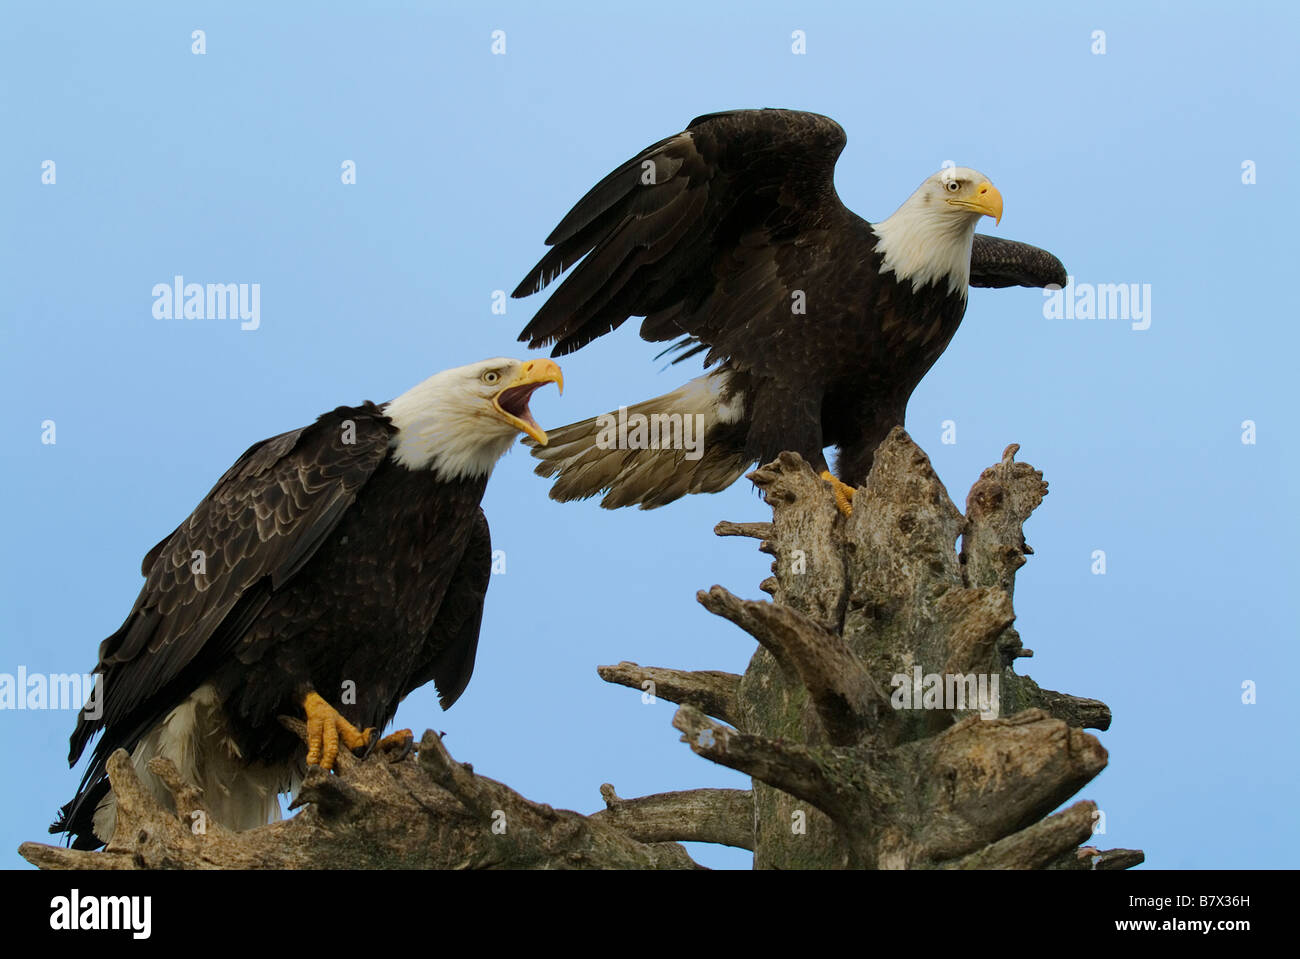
x: 845, y: 720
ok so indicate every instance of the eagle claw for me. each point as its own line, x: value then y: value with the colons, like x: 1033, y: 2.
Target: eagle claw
x: 326, y: 728
x: 372, y: 741
x: 397, y: 746
x: 843, y: 492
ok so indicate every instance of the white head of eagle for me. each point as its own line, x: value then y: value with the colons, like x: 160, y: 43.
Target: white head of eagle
x: 459, y: 422
x: 928, y: 239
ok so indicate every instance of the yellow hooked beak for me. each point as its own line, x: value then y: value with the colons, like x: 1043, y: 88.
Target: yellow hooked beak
x: 511, y: 401
x: 987, y: 201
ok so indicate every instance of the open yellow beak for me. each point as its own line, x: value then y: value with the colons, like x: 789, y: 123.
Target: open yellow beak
x: 511, y: 401
x: 987, y: 201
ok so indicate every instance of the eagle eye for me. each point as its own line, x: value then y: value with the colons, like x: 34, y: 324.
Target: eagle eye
x: 491, y: 376
x: 954, y: 186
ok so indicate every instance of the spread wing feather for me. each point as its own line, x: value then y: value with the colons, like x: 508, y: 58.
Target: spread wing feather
x: 701, y: 233
x: 707, y: 233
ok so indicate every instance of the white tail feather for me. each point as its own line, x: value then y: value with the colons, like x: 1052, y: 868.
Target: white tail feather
x: 194, y: 737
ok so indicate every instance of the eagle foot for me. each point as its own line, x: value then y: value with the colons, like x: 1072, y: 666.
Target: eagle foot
x: 843, y: 492
x: 397, y: 746
x: 326, y: 728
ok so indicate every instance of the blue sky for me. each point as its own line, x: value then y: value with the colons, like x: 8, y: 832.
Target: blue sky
x: 225, y: 167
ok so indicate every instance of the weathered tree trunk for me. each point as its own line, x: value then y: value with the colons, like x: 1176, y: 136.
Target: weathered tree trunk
x: 843, y: 777
x: 428, y: 812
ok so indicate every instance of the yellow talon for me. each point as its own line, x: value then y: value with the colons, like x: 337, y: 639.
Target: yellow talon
x: 400, y: 738
x: 325, y: 728
x: 843, y: 493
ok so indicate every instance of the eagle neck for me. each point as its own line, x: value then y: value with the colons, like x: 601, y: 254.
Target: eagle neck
x: 926, y: 246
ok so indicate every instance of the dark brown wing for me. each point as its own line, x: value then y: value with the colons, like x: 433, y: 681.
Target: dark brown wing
x: 995, y: 262
x: 205, y: 582
x: 706, y: 234
x: 453, y: 640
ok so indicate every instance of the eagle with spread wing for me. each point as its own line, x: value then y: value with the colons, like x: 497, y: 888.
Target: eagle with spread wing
x: 729, y: 239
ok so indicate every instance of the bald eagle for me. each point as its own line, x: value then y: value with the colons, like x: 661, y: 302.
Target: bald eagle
x: 729, y: 239
x: 348, y: 556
